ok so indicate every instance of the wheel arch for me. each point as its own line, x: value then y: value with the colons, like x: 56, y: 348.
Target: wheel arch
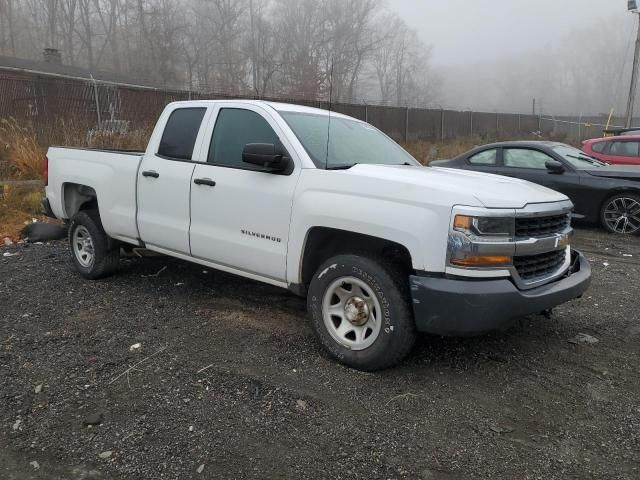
x: 77, y: 197
x: 322, y: 243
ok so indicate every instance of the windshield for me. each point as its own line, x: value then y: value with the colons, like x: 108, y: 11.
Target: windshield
x: 349, y: 142
x: 577, y: 158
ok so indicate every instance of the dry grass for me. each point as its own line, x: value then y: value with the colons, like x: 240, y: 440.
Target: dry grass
x: 20, y: 153
x: 18, y: 206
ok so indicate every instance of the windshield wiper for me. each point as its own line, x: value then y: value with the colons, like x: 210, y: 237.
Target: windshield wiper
x: 587, y: 158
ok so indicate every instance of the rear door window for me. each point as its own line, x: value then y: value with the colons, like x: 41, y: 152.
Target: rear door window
x: 488, y: 157
x: 625, y: 149
x: 180, y: 133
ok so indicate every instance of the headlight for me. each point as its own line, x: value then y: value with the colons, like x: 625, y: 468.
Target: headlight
x: 477, y: 241
x: 484, y: 226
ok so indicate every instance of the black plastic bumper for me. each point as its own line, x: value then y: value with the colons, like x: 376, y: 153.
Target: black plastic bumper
x: 446, y: 306
x: 46, y: 208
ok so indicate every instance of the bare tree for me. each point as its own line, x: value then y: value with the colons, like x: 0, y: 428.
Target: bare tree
x: 7, y: 32
x: 261, y: 47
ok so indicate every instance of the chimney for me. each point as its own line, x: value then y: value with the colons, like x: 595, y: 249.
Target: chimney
x: 52, y: 55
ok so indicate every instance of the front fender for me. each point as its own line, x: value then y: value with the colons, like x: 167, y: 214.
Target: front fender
x: 422, y: 232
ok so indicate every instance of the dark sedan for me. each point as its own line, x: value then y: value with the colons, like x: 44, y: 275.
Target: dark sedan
x: 601, y: 193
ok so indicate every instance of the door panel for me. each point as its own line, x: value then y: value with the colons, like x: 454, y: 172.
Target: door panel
x: 240, y: 214
x: 164, y: 181
x: 242, y: 221
x: 163, y: 203
x: 570, y: 184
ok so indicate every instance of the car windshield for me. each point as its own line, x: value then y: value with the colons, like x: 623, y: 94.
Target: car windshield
x: 342, y: 143
x: 577, y: 158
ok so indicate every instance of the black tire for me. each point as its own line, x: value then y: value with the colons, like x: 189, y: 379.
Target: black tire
x: 106, y: 252
x: 627, y: 198
x: 390, y: 285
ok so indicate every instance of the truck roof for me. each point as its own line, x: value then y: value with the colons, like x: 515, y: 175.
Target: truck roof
x: 280, y: 107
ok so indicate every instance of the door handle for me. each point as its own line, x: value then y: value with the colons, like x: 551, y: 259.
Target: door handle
x: 150, y: 173
x: 204, y: 181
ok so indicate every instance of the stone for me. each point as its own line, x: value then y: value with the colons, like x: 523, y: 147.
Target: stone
x: 584, y: 339
x: 93, y: 419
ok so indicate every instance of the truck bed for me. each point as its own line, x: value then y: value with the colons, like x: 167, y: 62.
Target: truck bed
x: 110, y: 173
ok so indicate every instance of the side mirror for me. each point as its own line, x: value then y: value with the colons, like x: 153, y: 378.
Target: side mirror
x: 554, y: 166
x: 267, y: 156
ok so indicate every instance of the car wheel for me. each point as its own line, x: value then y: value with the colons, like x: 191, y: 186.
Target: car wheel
x: 621, y: 214
x: 92, y: 251
x: 360, y: 311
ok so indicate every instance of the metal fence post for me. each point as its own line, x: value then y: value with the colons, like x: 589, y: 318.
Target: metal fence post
x: 580, y: 127
x: 366, y: 113
x: 97, y: 99
x: 497, y: 123
x: 471, y: 112
x: 406, y: 125
x: 442, y: 124
x: 519, y: 124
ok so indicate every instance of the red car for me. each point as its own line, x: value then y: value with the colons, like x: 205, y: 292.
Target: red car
x: 623, y: 150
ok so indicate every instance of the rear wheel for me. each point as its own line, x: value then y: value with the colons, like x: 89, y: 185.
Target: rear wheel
x: 621, y: 214
x: 360, y: 311
x: 92, y: 251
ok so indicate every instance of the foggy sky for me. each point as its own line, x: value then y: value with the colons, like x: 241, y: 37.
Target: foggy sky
x: 486, y: 30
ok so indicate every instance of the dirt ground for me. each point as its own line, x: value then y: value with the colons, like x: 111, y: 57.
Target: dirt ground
x: 229, y: 382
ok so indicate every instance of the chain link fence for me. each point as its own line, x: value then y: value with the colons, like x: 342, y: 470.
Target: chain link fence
x: 72, y: 112
x: 578, y: 127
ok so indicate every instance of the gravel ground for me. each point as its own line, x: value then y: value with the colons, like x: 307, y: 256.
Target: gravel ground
x: 229, y: 382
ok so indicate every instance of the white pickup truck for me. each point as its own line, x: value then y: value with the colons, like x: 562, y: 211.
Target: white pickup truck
x: 328, y: 207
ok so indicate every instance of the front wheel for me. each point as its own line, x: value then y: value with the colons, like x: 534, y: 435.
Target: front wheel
x: 621, y: 214
x: 92, y: 251
x: 360, y: 311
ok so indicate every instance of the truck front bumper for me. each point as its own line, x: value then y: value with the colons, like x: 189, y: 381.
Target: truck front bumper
x: 456, y: 307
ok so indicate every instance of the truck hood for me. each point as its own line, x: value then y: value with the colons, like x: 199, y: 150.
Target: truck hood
x: 628, y: 172
x: 490, y: 191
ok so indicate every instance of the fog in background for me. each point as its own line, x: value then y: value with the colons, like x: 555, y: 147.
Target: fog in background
x: 573, y: 56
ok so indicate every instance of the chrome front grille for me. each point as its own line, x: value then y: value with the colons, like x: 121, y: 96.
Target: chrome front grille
x: 527, y: 227
x: 543, y: 265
